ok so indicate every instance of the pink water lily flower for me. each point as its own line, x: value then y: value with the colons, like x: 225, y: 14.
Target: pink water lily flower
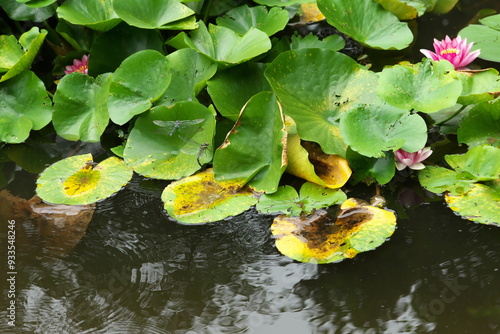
x: 81, y: 66
x: 412, y: 160
x: 456, y: 51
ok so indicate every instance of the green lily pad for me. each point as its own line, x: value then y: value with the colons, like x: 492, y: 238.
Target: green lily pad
x: 481, y: 204
x: 332, y: 42
x: 481, y: 125
x: 95, y: 14
x: 20, y: 12
x: 37, y: 3
x: 81, y: 107
x: 372, y: 129
x: 367, y: 22
x: 200, y: 199
x: 401, y: 9
x: 486, y: 37
x: 79, y: 37
x: 481, y: 162
x: 367, y: 169
x: 223, y: 45
x: 282, y: 3
x: 75, y: 181
x: 140, y: 80
x: 171, y: 142
x: 229, y: 93
x: 254, y: 151
x: 322, y: 238
x: 241, y: 19
x: 12, y: 58
x: 315, y: 87
x: 480, y: 86
x: 24, y: 105
x: 151, y: 14
x: 428, y: 86
x: 440, y: 180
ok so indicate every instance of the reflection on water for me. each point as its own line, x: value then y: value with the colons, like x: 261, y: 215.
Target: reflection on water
x: 136, y: 271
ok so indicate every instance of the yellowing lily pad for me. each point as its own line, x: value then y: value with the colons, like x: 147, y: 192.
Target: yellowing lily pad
x: 321, y: 238
x: 481, y: 204
x: 307, y: 161
x: 76, y: 181
x: 199, y: 199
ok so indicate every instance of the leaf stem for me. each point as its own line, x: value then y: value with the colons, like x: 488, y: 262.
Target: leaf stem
x: 451, y: 116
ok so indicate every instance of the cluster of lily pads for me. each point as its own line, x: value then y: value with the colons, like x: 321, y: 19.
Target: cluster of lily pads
x: 223, y: 98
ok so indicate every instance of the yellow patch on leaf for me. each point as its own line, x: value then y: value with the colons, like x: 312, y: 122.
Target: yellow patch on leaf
x: 82, y: 181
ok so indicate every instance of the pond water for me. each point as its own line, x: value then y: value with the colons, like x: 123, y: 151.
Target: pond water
x: 137, y: 271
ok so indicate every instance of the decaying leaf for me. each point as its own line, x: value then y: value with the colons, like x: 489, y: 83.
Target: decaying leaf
x: 323, y: 238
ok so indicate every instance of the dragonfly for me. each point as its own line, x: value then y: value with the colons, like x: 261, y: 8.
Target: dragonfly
x: 192, y: 147
x: 181, y: 125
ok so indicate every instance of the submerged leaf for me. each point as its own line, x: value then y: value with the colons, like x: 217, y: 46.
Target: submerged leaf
x: 321, y: 238
x: 199, y: 199
x: 75, y: 181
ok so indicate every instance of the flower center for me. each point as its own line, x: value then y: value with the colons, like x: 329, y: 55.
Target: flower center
x: 82, y: 69
x: 450, y: 50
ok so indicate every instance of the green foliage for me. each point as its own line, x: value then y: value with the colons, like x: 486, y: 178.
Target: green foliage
x: 95, y: 14
x: 21, y: 12
x: 481, y: 125
x: 241, y: 19
x: 486, y: 37
x: 332, y: 42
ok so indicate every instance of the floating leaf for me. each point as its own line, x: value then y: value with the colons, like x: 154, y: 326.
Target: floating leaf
x: 199, y: 199
x: 95, y: 14
x: 481, y: 125
x: 321, y: 238
x: 332, y: 42
x: 402, y: 10
x: 151, y: 14
x: 81, y: 107
x: 37, y: 3
x: 366, y: 169
x: 229, y: 93
x: 20, y: 12
x: 241, y: 19
x: 478, y: 86
x: 481, y: 204
x: 486, y: 37
x: 443, y: 6
x: 316, y: 87
x: 368, y: 23
x: 310, y: 13
x: 254, y: 151
x: 481, y: 163
x: 439, y: 180
x: 140, y: 80
x: 24, y: 106
x: 75, y: 181
x: 12, y: 58
x: 281, y: 3
x: 428, y: 86
x: 307, y: 161
x: 155, y: 151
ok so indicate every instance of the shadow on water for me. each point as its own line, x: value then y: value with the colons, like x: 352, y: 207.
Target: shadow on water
x: 135, y: 271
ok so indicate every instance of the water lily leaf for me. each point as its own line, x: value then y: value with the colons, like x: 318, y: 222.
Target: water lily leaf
x: 223, y: 45
x: 372, y: 129
x: 322, y: 238
x: 307, y: 161
x: 402, y: 10
x: 75, y: 181
x: 156, y: 150
x: 241, y: 19
x: 81, y: 107
x: 254, y: 151
x: 37, y: 3
x: 332, y: 42
x: 443, y: 6
x: 480, y: 125
x: 440, y: 180
x: 426, y: 86
x: 79, y: 37
x: 482, y: 162
x: 229, y: 93
x: 485, y: 37
x: 140, y: 80
x: 152, y: 14
x: 316, y: 87
x: 366, y: 169
x: 367, y: 22
x: 310, y: 13
x: 479, y: 86
x: 190, y: 72
x: 314, y: 197
x: 111, y: 48
x: 281, y: 3
x: 199, y: 199
x: 481, y: 204
x: 95, y: 14
x: 20, y: 12
x: 17, y: 60
x: 24, y: 105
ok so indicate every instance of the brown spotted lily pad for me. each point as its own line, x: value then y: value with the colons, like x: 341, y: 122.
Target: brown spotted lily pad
x: 76, y: 181
x: 323, y: 238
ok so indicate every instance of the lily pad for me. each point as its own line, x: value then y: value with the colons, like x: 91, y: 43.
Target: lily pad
x: 481, y: 125
x: 81, y: 107
x: 481, y: 163
x: 37, y: 3
x: 440, y: 180
x: 367, y: 22
x: 323, y: 238
x: 95, y: 14
x: 254, y: 151
x: 200, y: 199
x: 20, y: 12
x: 24, y: 105
x: 479, y: 86
x: 428, y: 86
x: 332, y: 42
x: 151, y: 14
x: 402, y: 10
x: 367, y: 169
x: 481, y: 204
x: 140, y: 80
x: 486, y: 37
x: 75, y: 180
x: 241, y: 19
